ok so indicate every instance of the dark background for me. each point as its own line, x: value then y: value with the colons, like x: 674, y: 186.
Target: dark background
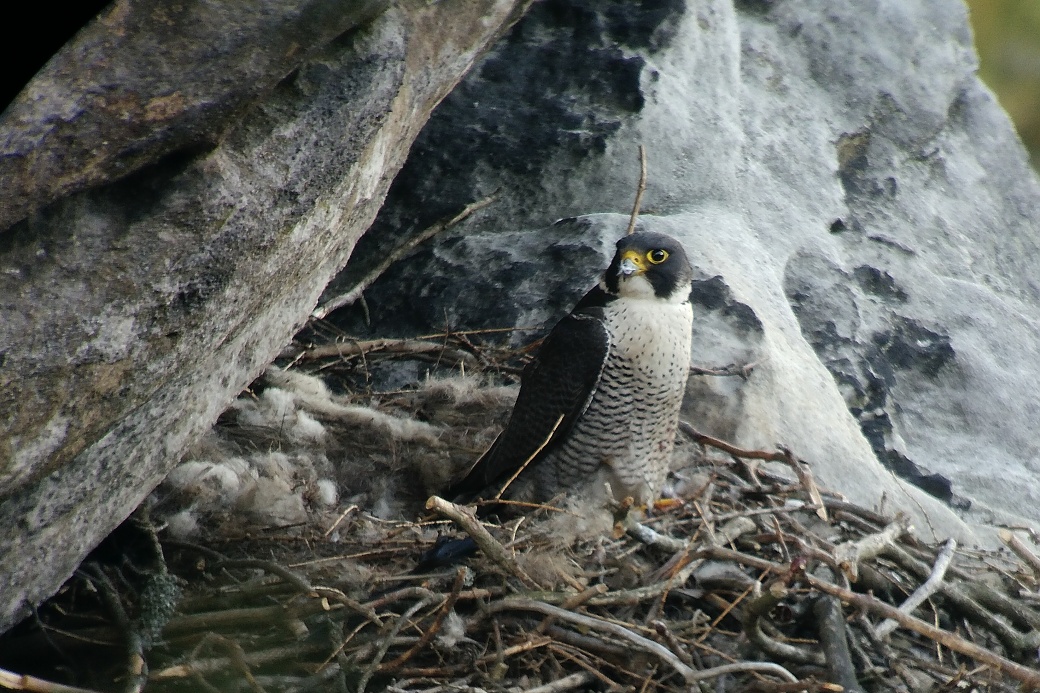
x: 1007, y: 36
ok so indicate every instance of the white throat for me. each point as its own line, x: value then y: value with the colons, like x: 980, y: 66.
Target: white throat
x: 638, y: 287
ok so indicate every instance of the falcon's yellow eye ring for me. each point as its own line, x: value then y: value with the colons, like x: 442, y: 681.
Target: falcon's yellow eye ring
x: 657, y: 256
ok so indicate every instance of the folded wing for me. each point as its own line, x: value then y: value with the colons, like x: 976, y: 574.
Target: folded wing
x: 555, y: 390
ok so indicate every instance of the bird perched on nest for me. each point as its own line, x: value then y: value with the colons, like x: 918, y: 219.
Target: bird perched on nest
x: 600, y: 401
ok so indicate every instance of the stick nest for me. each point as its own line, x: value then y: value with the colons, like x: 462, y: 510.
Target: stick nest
x: 753, y: 579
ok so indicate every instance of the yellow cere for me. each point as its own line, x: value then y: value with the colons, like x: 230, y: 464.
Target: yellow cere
x: 634, y: 257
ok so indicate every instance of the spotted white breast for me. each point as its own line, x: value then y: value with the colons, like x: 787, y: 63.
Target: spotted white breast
x: 626, y: 434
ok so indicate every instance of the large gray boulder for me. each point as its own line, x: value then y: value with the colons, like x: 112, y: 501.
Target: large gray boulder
x: 860, y: 210
x: 178, y: 185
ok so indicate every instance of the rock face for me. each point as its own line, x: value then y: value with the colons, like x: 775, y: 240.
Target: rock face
x: 859, y: 208
x: 178, y: 185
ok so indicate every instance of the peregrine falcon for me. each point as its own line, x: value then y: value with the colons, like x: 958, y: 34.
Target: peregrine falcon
x: 600, y: 401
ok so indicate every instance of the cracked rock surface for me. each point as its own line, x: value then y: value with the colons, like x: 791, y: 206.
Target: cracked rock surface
x: 861, y: 211
x: 178, y: 185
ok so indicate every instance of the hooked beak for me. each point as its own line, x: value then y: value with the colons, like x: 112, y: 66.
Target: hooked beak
x: 631, y: 263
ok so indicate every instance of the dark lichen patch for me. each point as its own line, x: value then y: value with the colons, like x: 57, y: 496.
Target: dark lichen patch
x: 714, y: 295
x: 913, y: 346
x: 711, y: 294
x: 852, y: 152
x: 879, y: 283
x: 552, y: 93
x: 933, y: 484
x: 755, y: 7
x: 854, y: 168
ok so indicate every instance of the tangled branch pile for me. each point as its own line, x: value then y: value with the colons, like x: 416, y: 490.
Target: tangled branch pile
x: 753, y: 579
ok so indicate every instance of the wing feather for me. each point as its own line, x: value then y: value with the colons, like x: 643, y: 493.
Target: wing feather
x: 559, y: 382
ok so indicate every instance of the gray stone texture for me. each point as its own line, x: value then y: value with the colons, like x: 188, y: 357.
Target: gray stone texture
x: 859, y: 207
x: 178, y: 185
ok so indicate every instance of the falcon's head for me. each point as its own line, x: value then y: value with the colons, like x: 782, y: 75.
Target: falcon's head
x: 649, y: 265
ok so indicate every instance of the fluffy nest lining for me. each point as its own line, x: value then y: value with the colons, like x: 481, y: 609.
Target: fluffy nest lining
x: 752, y: 579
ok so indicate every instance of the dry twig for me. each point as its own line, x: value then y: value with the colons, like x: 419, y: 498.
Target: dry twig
x: 408, y: 246
x: 640, y: 189
x: 850, y: 554
x: 1021, y: 550
x: 398, y: 347
x: 21, y: 682
x: 959, y: 596
x: 428, y: 634
x: 926, y: 590
x: 830, y: 624
x: 137, y: 667
x: 664, y: 654
x: 465, y: 519
x: 566, y: 683
x: 1027, y: 676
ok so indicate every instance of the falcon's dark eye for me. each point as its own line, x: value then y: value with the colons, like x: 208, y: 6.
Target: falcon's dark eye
x: 657, y: 256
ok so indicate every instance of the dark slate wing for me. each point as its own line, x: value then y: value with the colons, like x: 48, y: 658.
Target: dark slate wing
x: 560, y: 381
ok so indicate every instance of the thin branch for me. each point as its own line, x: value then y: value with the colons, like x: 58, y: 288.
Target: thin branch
x: 1021, y: 550
x: 757, y: 609
x: 662, y: 652
x: 348, y: 348
x: 650, y: 537
x: 387, y: 640
x: 228, y: 618
x: 487, y: 543
x: 805, y: 477
x: 1030, y: 677
x: 22, y: 682
x: 237, y: 657
x: 281, y: 571
x: 640, y: 189
x: 674, y: 643
x: 926, y: 590
x: 704, y: 439
x: 295, y: 652
x: 830, y: 625
x: 408, y: 246
x: 742, y: 667
x: 445, y: 609
x: 339, y: 520
x: 291, y: 578
x: 729, y: 532
x: 759, y: 606
x: 849, y: 555
x: 573, y: 603
x: 793, y: 507
x: 567, y: 683
x: 963, y: 598
x: 137, y: 667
